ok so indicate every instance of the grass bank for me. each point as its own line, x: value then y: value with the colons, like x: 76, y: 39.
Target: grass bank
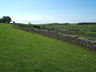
x: 22, y: 51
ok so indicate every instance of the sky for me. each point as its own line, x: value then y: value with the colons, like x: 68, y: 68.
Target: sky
x: 49, y: 11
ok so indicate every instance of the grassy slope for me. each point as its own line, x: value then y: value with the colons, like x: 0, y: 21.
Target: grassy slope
x: 21, y: 51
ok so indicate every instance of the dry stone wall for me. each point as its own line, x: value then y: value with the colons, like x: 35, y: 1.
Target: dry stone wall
x: 91, y: 44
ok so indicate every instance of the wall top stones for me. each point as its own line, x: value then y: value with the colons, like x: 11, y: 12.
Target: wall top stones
x: 87, y: 43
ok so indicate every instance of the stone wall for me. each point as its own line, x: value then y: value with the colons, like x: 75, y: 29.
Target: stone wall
x: 91, y: 44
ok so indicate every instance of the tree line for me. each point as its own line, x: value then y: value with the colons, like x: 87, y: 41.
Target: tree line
x: 87, y: 23
x: 5, y: 19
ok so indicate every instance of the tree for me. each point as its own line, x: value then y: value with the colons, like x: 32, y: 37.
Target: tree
x: 0, y: 20
x: 29, y: 22
x: 5, y: 19
x: 13, y: 22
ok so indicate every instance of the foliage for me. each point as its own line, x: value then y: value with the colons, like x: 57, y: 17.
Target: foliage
x: 87, y: 23
x: 5, y: 19
x: 36, y: 26
x: 22, y: 25
x: 13, y: 22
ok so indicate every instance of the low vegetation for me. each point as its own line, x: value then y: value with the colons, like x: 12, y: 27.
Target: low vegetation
x: 84, y: 30
x: 22, y: 51
x: 70, y: 26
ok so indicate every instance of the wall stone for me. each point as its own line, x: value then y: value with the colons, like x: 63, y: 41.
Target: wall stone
x: 91, y: 44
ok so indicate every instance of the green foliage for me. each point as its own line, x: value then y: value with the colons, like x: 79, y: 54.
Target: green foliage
x: 36, y: 26
x: 22, y: 51
x: 88, y: 32
x: 25, y: 25
x: 22, y: 25
x: 5, y: 19
x: 85, y: 23
x: 13, y: 22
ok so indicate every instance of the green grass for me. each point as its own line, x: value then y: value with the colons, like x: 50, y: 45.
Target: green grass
x: 74, y: 26
x: 22, y: 51
x: 70, y: 26
x: 88, y: 32
x: 77, y: 33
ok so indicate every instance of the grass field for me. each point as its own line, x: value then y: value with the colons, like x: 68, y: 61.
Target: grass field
x: 72, y: 26
x: 22, y: 51
x: 82, y: 31
x: 79, y: 34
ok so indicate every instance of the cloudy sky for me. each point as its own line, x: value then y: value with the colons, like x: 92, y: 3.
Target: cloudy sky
x: 49, y: 11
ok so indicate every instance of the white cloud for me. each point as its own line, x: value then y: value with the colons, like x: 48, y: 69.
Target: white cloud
x: 48, y: 19
x: 38, y: 20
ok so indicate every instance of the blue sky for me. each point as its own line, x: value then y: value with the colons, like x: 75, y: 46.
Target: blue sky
x: 47, y: 11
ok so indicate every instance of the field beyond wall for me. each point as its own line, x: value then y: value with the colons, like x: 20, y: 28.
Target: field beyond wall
x: 22, y: 51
